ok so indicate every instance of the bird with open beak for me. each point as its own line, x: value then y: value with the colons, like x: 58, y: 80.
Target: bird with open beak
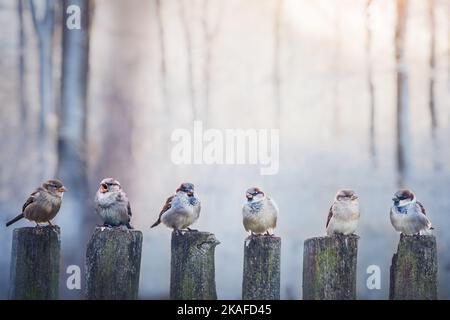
x: 181, y: 209
x: 43, y: 204
x: 259, y: 213
x: 344, y: 213
x: 408, y: 215
x: 112, y: 205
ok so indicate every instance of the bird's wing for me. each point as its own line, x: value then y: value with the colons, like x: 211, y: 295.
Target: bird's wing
x: 166, y: 207
x: 31, y: 198
x: 422, y: 208
x: 129, y: 209
x: 273, y: 204
x: 275, y: 210
x: 122, y: 197
x: 330, y: 214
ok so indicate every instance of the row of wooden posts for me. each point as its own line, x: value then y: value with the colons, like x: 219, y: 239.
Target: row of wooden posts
x: 113, y: 260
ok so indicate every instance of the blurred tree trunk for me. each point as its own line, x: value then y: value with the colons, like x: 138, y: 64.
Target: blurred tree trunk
x: 336, y: 69
x: 370, y: 85
x: 210, y: 32
x: 163, y: 64
x: 43, y: 21
x: 432, y: 66
x: 72, y: 162
x: 190, y: 69
x: 22, y: 67
x: 116, y: 85
x: 402, y: 93
x: 276, y: 61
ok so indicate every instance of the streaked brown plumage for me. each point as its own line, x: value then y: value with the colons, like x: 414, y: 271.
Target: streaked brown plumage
x: 181, y: 209
x: 43, y: 204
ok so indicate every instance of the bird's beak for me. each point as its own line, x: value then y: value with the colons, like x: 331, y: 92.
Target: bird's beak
x: 62, y: 189
x: 103, y: 188
x: 190, y: 194
x: 354, y: 197
x: 249, y: 197
x: 394, y: 199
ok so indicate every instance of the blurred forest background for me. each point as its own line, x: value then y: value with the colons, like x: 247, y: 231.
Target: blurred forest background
x: 359, y: 89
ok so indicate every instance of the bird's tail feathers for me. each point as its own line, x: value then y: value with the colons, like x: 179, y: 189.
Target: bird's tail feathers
x: 20, y: 216
x: 156, y: 223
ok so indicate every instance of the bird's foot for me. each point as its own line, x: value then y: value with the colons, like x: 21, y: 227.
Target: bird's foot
x: 129, y: 226
x: 194, y: 230
x: 50, y: 224
x: 269, y: 234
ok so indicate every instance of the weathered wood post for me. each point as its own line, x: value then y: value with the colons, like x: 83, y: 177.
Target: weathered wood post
x: 261, y: 277
x: 35, y: 259
x: 414, y: 269
x: 329, y: 268
x: 113, y: 263
x: 192, y: 274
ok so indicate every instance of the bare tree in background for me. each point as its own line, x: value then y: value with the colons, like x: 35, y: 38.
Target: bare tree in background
x: 276, y: 60
x: 43, y: 21
x: 190, y: 69
x: 72, y: 162
x: 210, y: 34
x: 336, y: 69
x: 432, y: 66
x: 162, y: 46
x: 370, y: 85
x: 402, y: 93
x: 22, y: 67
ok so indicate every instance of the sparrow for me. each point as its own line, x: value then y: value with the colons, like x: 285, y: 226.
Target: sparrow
x: 344, y: 213
x: 181, y: 210
x: 112, y: 205
x: 43, y: 204
x: 408, y: 215
x: 259, y: 212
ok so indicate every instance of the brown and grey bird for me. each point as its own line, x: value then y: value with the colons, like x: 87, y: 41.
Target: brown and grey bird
x: 259, y: 213
x: 112, y: 205
x: 181, y: 210
x: 43, y: 204
x: 408, y: 215
x: 344, y: 213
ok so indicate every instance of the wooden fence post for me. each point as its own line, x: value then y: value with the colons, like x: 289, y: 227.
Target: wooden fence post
x: 35, y: 259
x: 329, y: 268
x: 113, y: 263
x: 261, y: 276
x: 192, y: 275
x: 414, y: 269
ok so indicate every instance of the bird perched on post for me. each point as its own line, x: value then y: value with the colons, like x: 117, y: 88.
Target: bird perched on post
x: 112, y: 205
x: 408, y: 215
x: 181, y: 210
x: 259, y: 212
x: 43, y: 204
x: 344, y: 213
